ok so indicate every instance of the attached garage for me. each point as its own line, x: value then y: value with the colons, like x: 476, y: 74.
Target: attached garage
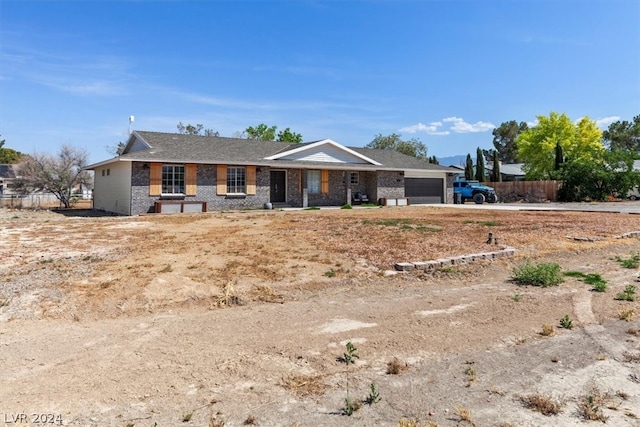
x: 424, y: 190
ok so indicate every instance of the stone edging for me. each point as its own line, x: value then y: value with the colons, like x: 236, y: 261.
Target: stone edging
x: 506, y: 251
x: 629, y: 234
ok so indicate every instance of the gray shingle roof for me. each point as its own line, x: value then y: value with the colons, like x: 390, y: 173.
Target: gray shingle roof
x: 178, y: 148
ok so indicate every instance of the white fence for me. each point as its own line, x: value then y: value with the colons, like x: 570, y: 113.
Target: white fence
x: 19, y: 201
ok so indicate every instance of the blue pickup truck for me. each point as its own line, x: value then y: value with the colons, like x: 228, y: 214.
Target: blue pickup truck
x: 473, y: 190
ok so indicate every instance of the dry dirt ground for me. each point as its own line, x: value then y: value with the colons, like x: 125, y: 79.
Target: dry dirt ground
x: 242, y: 318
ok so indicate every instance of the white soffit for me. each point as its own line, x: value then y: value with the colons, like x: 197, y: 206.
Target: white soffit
x: 325, y: 151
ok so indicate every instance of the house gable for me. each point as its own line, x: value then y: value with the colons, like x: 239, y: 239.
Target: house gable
x: 136, y: 143
x: 325, y: 151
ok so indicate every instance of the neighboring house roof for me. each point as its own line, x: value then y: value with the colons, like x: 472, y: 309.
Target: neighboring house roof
x: 178, y: 148
x: 511, y: 169
x: 7, y: 172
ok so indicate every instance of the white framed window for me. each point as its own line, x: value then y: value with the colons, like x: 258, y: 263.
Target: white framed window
x: 236, y: 180
x: 354, y: 178
x: 172, y: 179
x: 313, y: 181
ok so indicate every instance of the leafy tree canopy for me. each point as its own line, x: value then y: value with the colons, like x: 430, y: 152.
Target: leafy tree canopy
x: 288, y: 136
x: 504, y: 140
x: 58, y: 174
x: 623, y: 135
x: 412, y: 147
x: 538, y: 146
x: 198, y: 129
x: 610, y: 174
x: 262, y: 132
x: 9, y: 155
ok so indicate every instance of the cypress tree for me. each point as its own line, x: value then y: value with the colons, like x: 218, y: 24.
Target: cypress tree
x: 480, y: 170
x: 468, y: 169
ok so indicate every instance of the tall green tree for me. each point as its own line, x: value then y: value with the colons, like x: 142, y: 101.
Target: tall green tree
x: 198, y: 129
x: 468, y: 168
x: 59, y: 174
x: 623, y: 135
x: 288, y: 136
x: 496, y: 176
x: 504, y: 140
x: 538, y: 145
x: 261, y: 132
x: 8, y: 155
x: 480, y: 168
x: 412, y: 147
x: 586, y: 179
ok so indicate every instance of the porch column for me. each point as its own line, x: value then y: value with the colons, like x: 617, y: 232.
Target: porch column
x: 347, y: 181
x: 305, y: 190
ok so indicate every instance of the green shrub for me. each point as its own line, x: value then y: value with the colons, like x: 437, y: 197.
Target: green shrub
x: 600, y: 287
x: 593, y: 279
x: 346, y: 207
x: 542, y: 274
x: 629, y: 293
x: 566, y: 322
x: 632, y: 262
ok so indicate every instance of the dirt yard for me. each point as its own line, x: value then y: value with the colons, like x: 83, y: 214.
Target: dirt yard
x: 242, y: 318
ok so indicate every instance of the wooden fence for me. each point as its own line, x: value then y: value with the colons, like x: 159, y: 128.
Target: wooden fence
x: 530, y: 191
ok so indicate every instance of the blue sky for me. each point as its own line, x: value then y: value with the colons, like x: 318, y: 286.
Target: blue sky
x: 445, y: 72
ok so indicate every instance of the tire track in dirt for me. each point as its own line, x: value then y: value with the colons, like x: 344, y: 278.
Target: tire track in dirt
x: 584, y: 312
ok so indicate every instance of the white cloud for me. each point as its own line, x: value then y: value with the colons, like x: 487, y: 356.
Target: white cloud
x: 533, y: 123
x: 430, y: 129
x: 460, y: 126
x: 606, y: 121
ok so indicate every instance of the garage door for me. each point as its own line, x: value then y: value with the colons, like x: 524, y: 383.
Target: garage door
x: 424, y: 190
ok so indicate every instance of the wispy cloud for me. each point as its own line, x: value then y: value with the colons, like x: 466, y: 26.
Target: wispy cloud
x: 430, y: 129
x: 460, y: 126
x: 606, y: 121
x: 85, y: 75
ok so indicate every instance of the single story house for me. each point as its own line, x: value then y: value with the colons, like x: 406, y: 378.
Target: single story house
x: 7, y: 177
x: 165, y: 172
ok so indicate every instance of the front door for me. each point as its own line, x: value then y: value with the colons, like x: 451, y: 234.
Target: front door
x: 278, y: 186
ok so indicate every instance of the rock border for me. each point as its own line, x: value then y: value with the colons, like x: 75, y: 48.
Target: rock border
x: 628, y: 235
x: 506, y: 251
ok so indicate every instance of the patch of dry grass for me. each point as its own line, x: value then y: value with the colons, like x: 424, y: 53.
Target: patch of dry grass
x: 465, y: 414
x: 304, y: 385
x: 627, y: 315
x: 543, y: 403
x: 266, y: 293
x: 547, y: 330
x: 395, y: 366
x: 591, y: 404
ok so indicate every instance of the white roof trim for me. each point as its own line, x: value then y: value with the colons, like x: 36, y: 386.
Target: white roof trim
x: 319, y: 143
x: 132, y: 138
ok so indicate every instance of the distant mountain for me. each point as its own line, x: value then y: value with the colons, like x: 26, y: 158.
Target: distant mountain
x: 453, y: 160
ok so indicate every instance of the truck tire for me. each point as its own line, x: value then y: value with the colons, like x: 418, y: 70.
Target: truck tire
x: 478, y: 198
